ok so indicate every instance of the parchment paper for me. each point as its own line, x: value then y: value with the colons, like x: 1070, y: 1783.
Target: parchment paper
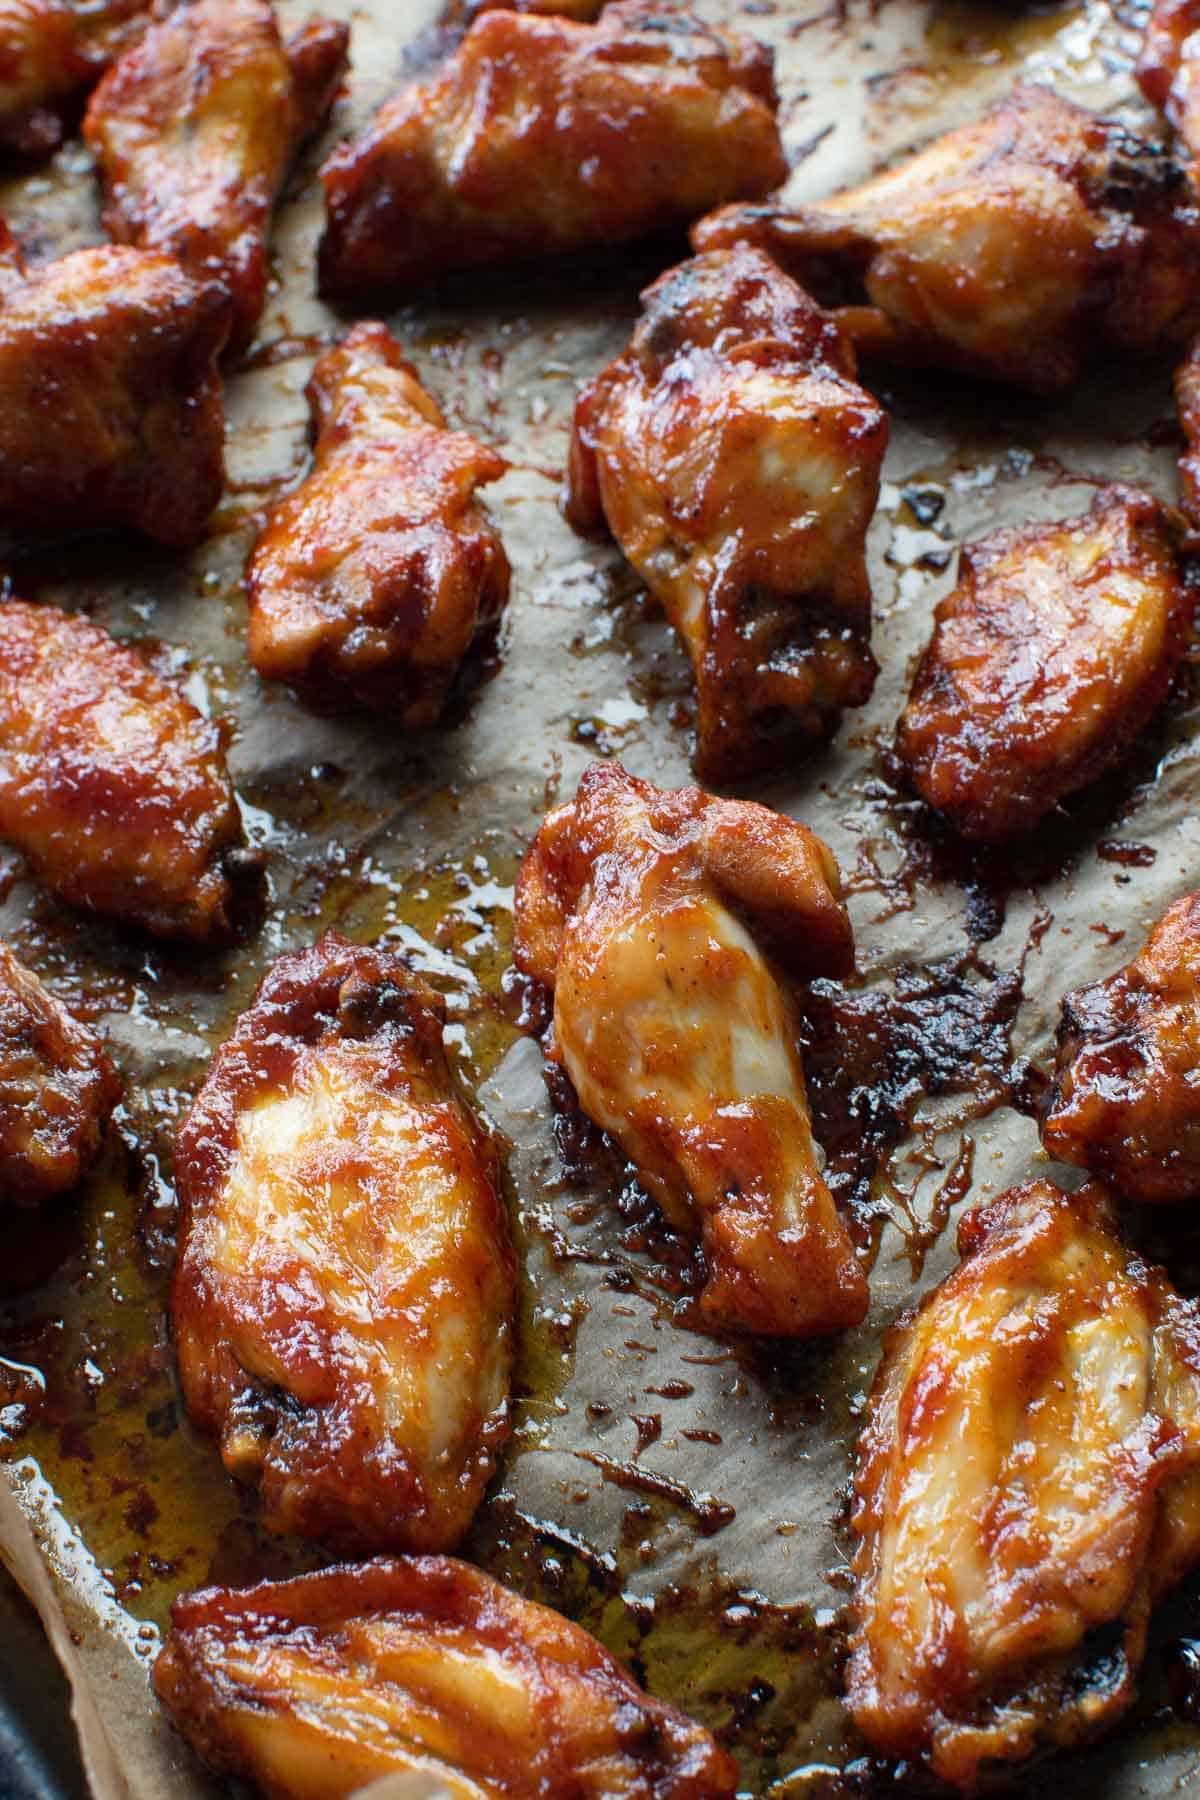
x: 719, y: 1576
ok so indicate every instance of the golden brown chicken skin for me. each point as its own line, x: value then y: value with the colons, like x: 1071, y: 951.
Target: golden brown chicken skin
x: 1027, y: 1477
x: 344, y: 1297
x: 1050, y: 655
x: 1013, y: 248
x: 420, y: 1665
x: 540, y: 135
x: 57, y: 1089
x: 661, y: 920
x: 736, y: 462
x: 195, y: 128
x: 111, y: 411
x: 112, y: 785
x: 375, y: 579
x: 50, y: 53
x: 1126, y: 1097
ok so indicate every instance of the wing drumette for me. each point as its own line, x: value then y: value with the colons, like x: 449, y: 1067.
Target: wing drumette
x: 373, y: 581
x: 654, y: 917
x: 1026, y: 1489
x: 1126, y: 1098
x: 1048, y: 658
x: 736, y: 462
x: 195, y: 128
x: 111, y: 783
x: 540, y: 135
x: 57, y: 1089
x: 50, y: 53
x: 420, y: 1665
x: 110, y: 399
x: 344, y: 1296
x: 1012, y: 248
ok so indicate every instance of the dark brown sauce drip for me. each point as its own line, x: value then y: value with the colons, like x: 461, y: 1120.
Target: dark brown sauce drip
x: 872, y: 1054
x: 711, y: 1515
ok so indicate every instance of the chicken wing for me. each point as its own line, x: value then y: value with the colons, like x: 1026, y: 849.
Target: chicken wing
x: 57, y: 1089
x: 540, y: 135
x: 653, y: 916
x: 1187, y: 405
x: 373, y: 581
x: 344, y: 1296
x: 1169, y: 64
x: 195, y: 128
x: 1026, y: 1488
x: 110, y: 399
x: 1051, y: 654
x: 1126, y: 1096
x: 1011, y: 248
x: 112, y: 785
x: 736, y: 462
x: 50, y: 53
x: 420, y: 1665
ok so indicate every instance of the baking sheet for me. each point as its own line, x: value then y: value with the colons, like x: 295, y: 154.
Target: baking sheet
x: 682, y: 1498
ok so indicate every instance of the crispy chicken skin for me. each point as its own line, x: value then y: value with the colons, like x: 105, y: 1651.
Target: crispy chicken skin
x: 50, y: 53
x: 423, y: 1665
x: 111, y: 411
x: 735, y: 460
x: 57, y: 1089
x: 373, y: 581
x: 655, y: 917
x: 1026, y: 1488
x: 195, y: 128
x: 344, y: 1296
x: 1169, y: 64
x: 112, y: 785
x: 1012, y: 248
x: 540, y: 135
x: 1126, y: 1097
x: 1049, y: 656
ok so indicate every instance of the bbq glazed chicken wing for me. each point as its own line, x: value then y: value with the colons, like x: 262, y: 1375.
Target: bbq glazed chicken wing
x: 1126, y: 1096
x: 1026, y: 1489
x: 112, y: 785
x: 344, y: 1296
x: 736, y: 462
x: 423, y: 1665
x: 195, y: 128
x: 51, y: 51
x: 1187, y: 405
x: 111, y: 411
x: 57, y: 1089
x: 540, y: 135
x: 1050, y: 655
x: 1012, y: 248
x: 654, y: 917
x: 375, y: 579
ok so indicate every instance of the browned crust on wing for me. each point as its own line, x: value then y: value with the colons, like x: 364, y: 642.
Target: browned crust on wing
x: 111, y: 410
x: 381, y: 574
x: 111, y: 783
x: 1012, y: 709
x: 57, y: 1089
x: 311, y: 1423
x: 541, y: 135
x: 596, y: 1731
x: 1125, y: 1102
x: 195, y: 128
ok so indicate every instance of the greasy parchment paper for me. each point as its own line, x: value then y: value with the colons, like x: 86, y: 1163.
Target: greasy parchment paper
x: 679, y: 1496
